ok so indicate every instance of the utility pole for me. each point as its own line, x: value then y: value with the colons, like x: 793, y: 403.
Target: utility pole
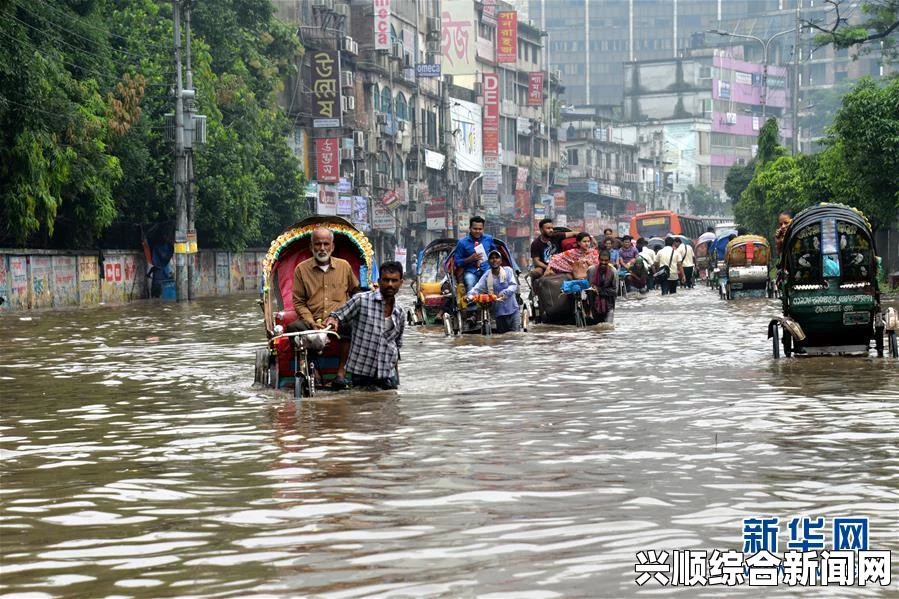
x: 190, y: 108
x: 180, y: 170
x: 794, y: 95
x: 448, y: 140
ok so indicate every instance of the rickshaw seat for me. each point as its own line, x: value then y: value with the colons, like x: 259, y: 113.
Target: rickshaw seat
x: 430, y: 288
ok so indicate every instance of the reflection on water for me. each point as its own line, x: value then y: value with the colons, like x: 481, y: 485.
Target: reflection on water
x: 138, y: 461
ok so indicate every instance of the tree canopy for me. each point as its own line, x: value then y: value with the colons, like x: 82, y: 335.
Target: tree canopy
x: 879, y: 25
x: 859, y: 165
x: 84, y: 90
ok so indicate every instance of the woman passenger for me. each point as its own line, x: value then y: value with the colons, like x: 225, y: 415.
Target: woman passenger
x: 576, y: 260
x: 604, y: 281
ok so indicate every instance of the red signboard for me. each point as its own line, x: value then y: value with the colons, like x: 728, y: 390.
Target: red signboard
x: 535, y: 88
x: 522, y: 204
x: 327, y: 159
x: 490, y: 82
x: 507, y: 36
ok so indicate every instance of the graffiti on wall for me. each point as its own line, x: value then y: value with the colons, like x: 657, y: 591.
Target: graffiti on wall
x: 88, y: 275
x: 41, y: 270
x: 65, y: 290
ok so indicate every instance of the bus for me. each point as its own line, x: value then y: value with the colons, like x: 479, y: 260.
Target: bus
x: 661, y: 223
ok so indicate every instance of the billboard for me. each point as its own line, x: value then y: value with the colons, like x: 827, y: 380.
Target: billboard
x: 327, y: 160
x: 535, y: 88
x: 458, y: 37
x: 326, y: 103
x: 382, y: 24
x: 467, y: 135
x: 507, y: 36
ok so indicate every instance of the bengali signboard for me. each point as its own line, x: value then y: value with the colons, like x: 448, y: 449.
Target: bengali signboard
x: 435, y: 214
x: 488, y: 12
x: 327, y: 160
x: 381, y: 218
x: 344, y: 205
x: 522, y: 204
x: 457, y: 30
x: 382, y: 24
x: 507, y: 36
x: 327, y: 201
x: 326, y: 104
x: 535, y: 88
x: 521, y: 178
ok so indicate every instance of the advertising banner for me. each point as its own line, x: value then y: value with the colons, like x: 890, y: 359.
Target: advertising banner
x: 360, y: 213
x: 507, y: 36
x: 382, y: 24
x: 344, y: 205
x: 326, y: 104
x: 399, y: 254
x: 458, y: 37
x: 327, y: 160
x: 522, y: 204
x: 488, y: 12
x: 535, y: 88
x: 466, y: 119
x: 327, y: 201
x: 521, y: 179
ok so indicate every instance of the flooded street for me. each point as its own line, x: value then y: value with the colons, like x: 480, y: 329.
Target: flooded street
x: 139, y: 461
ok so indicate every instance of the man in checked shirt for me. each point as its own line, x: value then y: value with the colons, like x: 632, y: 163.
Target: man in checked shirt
x: 378, y: 325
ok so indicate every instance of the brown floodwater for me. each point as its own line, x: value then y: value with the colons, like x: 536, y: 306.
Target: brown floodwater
x: 139, y: 461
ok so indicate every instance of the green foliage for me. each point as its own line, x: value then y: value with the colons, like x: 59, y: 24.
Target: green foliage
x: 878, y: 29
x: 84, y: 89
x: 737, y: 180
x: 702, y: 201
x: 859, y: 167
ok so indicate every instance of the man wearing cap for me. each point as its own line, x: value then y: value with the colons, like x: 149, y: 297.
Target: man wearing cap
x: 500, y: 281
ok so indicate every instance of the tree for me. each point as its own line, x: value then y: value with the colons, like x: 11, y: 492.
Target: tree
x: 737, y: 180
x: 862, y: 159
x: 772, y: 166
x: 881, y: 25
x: 701, y: 200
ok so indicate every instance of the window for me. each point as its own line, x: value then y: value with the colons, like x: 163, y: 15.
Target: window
x: 386, y: 101
x: 376, y: 96
x: 572, y: 157
x: 384, y: 163
x: 397, y: 168
x: 401, y: 112
x: 534, y: 54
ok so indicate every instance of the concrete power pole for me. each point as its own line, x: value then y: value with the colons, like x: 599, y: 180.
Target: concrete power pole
x: 180, y: 169
x: 190, y: 107
x: 794, y: 100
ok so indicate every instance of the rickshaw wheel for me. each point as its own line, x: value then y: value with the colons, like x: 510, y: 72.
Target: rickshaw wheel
x: 525, y: 320
x: 261, y: 367
x: 580, y: 319
x: 894, y: 344
x: 775, y: 341
x: 447, y: 325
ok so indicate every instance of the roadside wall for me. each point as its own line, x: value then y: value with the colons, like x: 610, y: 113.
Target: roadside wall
x: 46, y: 279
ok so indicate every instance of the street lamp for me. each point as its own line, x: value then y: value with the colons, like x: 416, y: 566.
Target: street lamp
x: 764, y: 42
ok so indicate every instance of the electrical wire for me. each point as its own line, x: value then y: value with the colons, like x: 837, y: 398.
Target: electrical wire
x: 73, y: 17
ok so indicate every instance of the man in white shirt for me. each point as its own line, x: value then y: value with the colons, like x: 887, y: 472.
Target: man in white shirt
x: 649, y: 258
x: 689, y: 262
x: 669, y: 257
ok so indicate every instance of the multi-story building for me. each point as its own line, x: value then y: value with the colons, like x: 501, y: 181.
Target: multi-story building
x: 390, y: 117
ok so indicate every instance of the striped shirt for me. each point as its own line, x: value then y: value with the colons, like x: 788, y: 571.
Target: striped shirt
x: 376, y: 342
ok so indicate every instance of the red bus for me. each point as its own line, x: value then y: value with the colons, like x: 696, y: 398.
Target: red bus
x: 660, y: 223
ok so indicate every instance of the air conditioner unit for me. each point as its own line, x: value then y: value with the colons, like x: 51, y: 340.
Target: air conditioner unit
x: 323, y: 4
x: 355, y: 49
x: 381, y: 181
x: 434, y: 25
x: 365, y: 177
x: 381, y: 61
x: 347, y: 78
x: 348, y: 44
x: 359, y: 139
x: 348, y: 103
x: 346, y: 154
x: 478, y: 89
x: 342, y: 9
x: 396, y: 51
x: 406, y: 143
